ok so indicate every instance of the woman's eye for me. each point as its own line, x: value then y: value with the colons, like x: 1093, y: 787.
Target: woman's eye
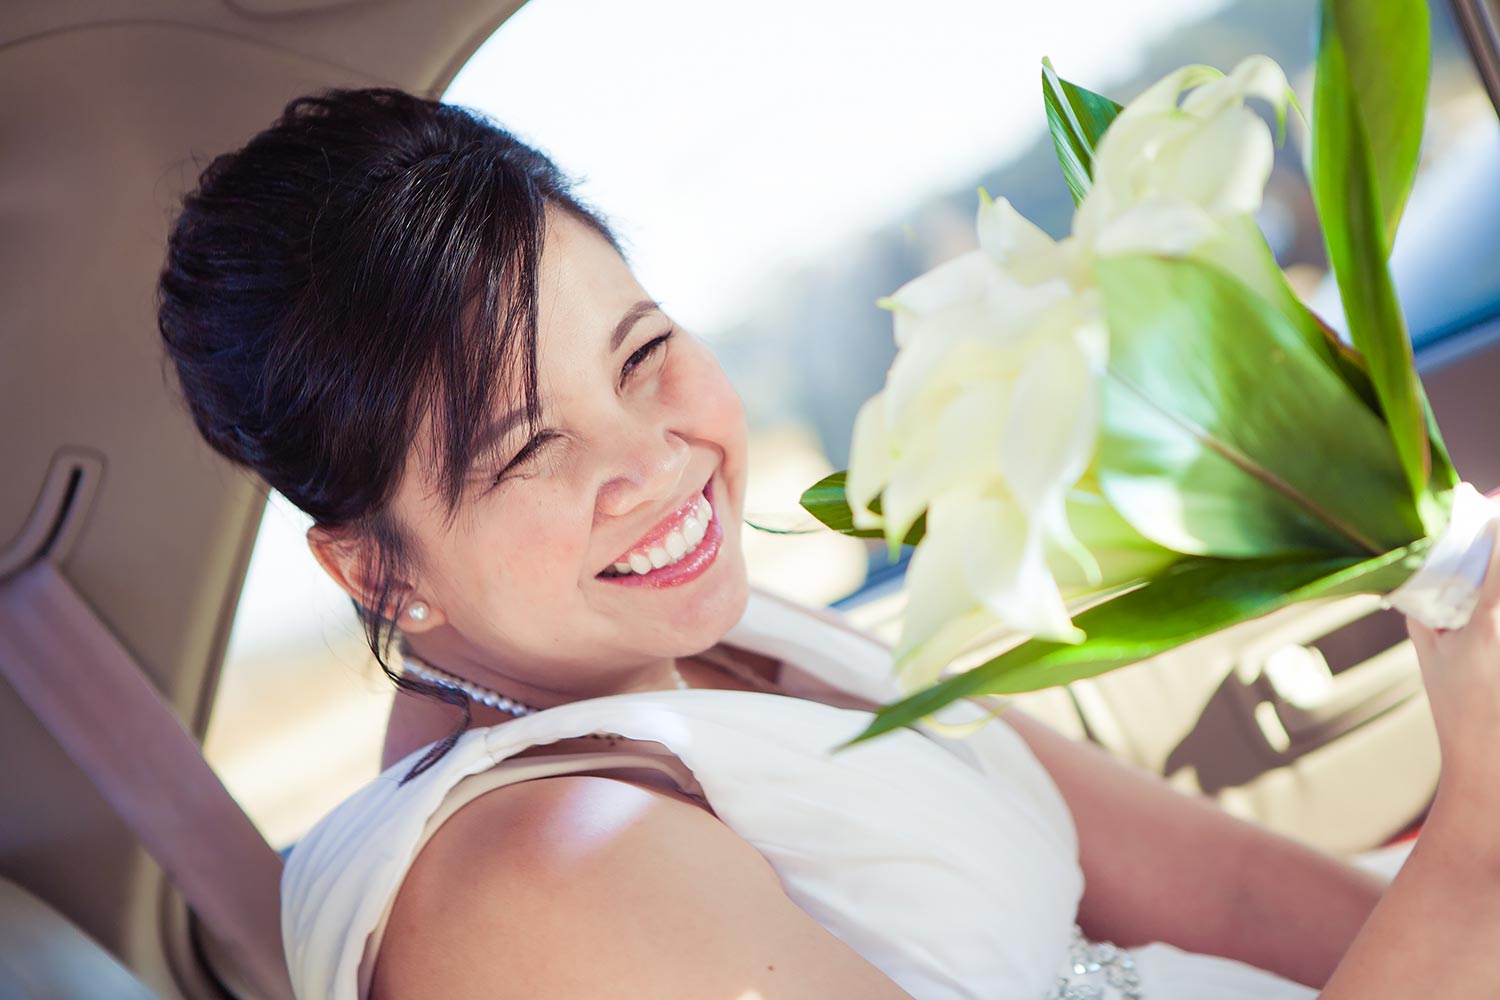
x: 528, y: 451
x: 643, y: 354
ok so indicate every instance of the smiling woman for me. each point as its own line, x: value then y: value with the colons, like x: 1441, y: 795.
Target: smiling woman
x: 519, y: 466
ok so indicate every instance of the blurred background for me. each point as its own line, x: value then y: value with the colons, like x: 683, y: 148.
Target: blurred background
x: 774, y: 169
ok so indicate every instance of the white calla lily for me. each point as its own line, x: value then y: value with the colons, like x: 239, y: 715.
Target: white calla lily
x: 990, y: 413
x: 980, y: 568
x: 1164, y: 174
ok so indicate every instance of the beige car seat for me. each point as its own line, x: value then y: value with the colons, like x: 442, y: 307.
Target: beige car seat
x: 108, y: 113
x: 44, y: 955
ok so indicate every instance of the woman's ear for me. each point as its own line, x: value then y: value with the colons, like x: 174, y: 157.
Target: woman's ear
x: 347, y: 558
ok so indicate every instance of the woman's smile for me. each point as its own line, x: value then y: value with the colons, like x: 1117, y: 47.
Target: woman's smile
x: 676, y: 551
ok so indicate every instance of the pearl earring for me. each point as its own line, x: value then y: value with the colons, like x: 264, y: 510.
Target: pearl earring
x: 417, y: 612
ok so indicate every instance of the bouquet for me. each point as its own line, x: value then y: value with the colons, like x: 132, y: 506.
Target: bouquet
x: 1130, y: 438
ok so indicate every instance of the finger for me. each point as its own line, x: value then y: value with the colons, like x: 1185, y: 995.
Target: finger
x: 1489, y: 587
x: 1421, y: 635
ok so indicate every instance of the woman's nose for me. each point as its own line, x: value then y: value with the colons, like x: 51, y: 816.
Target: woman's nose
x: 650, y: 470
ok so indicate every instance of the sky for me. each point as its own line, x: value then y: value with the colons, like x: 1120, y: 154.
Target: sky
x: 728, y: 141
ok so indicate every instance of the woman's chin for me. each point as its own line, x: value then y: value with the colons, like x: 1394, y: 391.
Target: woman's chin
x: 701, y: 618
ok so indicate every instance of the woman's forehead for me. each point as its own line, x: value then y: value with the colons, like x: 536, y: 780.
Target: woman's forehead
x: 584, y: 286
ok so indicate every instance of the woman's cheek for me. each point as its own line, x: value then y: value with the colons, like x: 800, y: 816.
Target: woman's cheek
x: 703, y: 391
x: 715, y: 414
x: 537, y: 547
x: 561, y: 532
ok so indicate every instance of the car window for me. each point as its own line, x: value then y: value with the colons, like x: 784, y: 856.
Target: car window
x: 774, y: 169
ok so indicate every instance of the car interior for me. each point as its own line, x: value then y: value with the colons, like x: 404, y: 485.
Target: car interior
x: 130, y: 863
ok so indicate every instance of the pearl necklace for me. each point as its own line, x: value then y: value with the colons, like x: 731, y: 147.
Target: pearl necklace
x: 493, y: 698
x: 480, y: 693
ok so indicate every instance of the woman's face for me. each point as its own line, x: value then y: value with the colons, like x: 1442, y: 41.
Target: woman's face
x: 640, y: 433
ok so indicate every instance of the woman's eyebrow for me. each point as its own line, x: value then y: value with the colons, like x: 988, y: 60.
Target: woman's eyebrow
x: 634, y: 313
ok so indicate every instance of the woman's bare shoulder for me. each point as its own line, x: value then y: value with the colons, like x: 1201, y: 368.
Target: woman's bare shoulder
x: 582, y: 885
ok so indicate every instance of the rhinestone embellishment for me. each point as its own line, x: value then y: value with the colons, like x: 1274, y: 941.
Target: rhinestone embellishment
x: 1097, y: 971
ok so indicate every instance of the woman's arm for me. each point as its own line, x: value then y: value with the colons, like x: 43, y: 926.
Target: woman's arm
x: 1162, y: 866
x: 1435, y: 932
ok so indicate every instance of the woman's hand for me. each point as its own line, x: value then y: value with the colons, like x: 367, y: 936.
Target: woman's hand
x: 1461, y: 670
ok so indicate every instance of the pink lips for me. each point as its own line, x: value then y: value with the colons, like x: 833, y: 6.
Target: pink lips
x: 684, y: 570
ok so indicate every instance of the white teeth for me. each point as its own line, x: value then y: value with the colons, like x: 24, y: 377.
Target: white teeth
x: 675, y: 546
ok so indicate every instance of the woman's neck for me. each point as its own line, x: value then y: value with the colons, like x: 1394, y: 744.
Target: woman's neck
x: 416, y: 721
x: 454, y: 657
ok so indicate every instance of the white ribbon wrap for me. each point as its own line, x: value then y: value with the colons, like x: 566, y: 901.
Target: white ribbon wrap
x: 1444, y: 591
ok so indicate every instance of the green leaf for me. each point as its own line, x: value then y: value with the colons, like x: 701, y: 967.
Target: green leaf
x: 1243, y: 252
x: 1350, y: 366
x: 769, y: 530
x: 1224, y: 433
x: 1077, y: 118
x: 1194, y: 598
x: 1386, y: 51
x: 1359, y: 198
x: 1444, y: 475
x: 825, y: 500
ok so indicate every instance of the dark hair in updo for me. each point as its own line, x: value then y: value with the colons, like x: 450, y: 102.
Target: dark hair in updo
x: 366, y: 263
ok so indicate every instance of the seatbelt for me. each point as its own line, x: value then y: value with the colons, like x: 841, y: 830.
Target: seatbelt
x: 87, y: 690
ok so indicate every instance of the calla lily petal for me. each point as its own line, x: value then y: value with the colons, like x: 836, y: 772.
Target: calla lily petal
x: 1254, y: 76
x: 1168, y: 228
x: 1052, y: 424
x: 1223, y: 165
x: 922, y: 663
x: 1018, y: 245
x: 1163, y: 94
x: 1003, y: 563
x: 869, y: 461
x: 940, y: 613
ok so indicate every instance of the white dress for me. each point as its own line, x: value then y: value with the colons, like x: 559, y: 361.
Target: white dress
x: 949, y: 864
